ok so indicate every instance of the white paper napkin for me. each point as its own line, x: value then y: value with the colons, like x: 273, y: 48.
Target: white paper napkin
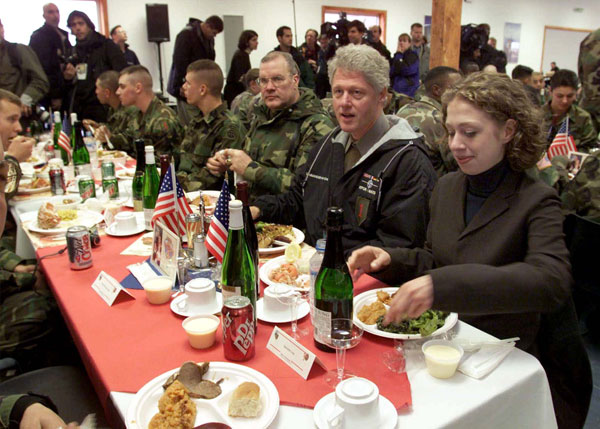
x: 142, y: 272
x: 480, y: 364
x: 138, y: 247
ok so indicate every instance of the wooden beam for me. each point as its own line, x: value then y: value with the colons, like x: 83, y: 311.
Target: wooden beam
x: 445, y: 33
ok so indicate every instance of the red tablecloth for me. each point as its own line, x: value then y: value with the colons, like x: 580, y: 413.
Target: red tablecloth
x: 130, y: 343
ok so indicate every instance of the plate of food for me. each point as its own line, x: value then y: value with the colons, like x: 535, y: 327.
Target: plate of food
x: 34, y: 186
x: 279, y: 270
x: 210, y: 199
x: 372, y: 305
x: 116, y: 156
x: 125, y: 173
x: 274, y: 238
x: 224, y: 392
x: 49, y: 220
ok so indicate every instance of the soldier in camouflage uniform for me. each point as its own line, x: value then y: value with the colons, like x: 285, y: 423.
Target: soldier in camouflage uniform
x: 426, y: 116
x: 216, y: 129
x: 118, y: 117
x: 589, y: 74
x: 288, y: 122
x: 563, y: 86
x: 155, y: 122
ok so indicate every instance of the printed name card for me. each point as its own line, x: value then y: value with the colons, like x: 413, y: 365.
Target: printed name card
x: 294, y: 354
x: 108, y: 288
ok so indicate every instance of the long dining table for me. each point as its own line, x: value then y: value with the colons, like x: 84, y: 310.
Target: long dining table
x: 125, y: 345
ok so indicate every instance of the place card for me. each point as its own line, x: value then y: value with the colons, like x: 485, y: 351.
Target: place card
x: 294, y: 354
x: 108, y: 288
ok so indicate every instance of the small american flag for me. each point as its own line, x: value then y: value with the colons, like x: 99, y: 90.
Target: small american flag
x: 563, y: 142
x: 64, y: 142
x: 216, y: 239
x: 171, y: 205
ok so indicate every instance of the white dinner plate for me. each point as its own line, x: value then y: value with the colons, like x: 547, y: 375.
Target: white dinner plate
x: 274, y: 263
x: 22, y: 190
x: 284, y: 316
x: 214, y: 195
x: 145, y: 402
x: 370, y: 297
x: 178, y: 306
x: 388, y: 416
x: 278, y: 249
x: 86, y: 218
x: 111, y: 230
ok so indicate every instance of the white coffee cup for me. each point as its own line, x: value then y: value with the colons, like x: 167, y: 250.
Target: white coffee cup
x: 125, y: 222
x: 356, y: 405
x: 201, y: 295
x: 277, y: 299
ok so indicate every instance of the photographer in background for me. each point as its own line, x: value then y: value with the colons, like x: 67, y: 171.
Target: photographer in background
x: 474, y: 47
x: 93, y: 55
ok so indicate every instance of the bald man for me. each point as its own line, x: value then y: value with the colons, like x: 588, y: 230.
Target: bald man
x: 51, y: 44
x: 155, y: 122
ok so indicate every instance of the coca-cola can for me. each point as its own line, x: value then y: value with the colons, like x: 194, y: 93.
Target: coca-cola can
x: 238, y: 328
x: 79, y: 247
x: 57, y: 181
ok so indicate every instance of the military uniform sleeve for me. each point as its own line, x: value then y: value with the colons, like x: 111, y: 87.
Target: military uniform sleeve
x: 38, y: 84
x: 581, y: 195
x: 308, y: 77
x: 587, y: 135
x: 166, y: 134
x: 12, y: 408
x: 277, y: 180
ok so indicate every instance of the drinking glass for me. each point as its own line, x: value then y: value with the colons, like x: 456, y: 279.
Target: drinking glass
x: 395, y: 360
x: 299, y: 297
x: 344, y: 335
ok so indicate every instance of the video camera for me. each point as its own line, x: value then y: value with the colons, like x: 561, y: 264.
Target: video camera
x: 337, y: 32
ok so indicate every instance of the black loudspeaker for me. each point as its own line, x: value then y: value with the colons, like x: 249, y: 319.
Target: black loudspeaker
x: 157, y: 22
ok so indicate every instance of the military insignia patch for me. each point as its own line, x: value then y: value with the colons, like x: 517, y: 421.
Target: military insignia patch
x: 368, y: 187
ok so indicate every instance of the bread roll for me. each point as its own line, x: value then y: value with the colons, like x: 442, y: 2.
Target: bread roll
x: 245, y: 400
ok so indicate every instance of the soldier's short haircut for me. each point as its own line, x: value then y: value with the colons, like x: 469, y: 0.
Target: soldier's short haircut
x: 209, y: 73
x: 215, y: 22
x: 292, y: 66
x: 139, y: 74
x: 280, y: 30
x: 250, y: 76
x: 416, y: 24
x: 109, y: 80
x: 358, y: 25
x: 362, y: 59
x: 437, y: 76
x: 564, y: 77
x: 521, y: 72
x: 9, y: 97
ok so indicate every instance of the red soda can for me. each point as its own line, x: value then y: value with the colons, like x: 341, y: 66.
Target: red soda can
x: 238, y: 328
x: 57, y: 181
x: 79, y: 247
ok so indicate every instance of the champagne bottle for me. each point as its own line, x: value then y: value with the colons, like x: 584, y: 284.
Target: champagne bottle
x: 151, y: 185
x: 333, y: 287
x: 59, y: 152
x: 238, y: 273
x: 73, y: 121
x: 137, y: 186
x: 81, y: 156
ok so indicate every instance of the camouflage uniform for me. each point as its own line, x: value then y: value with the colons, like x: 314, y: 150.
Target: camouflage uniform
x: 159, y: 126
x: 204, y: 137
x: 11, y: 282
x: 580, y: 126
x: 582, y: 193
x: 243, y: 105
x: 589, y: 74
x: 279, y: 142
x: 118, y: 122
x: 426, y: 115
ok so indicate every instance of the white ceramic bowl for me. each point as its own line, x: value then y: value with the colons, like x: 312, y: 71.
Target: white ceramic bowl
x: 66, y: 202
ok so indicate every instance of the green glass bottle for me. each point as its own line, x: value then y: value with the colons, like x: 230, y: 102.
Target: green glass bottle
x: 137, y: 186
x: 334, y: 291
x: 81, y: 156
x: 150, y: 189
x: 238, y: 273
x: 59, y: 152
x: 73, y: 122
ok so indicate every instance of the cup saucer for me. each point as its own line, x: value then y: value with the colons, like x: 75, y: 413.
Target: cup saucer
x: 387, y: 412
x: 112, y: 230
x: 280, y: 317
x: 178, y: 306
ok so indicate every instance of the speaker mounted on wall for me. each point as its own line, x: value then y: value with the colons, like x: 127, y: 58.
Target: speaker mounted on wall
x: 157, y: 22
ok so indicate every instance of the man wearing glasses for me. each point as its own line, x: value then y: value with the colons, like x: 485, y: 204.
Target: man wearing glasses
x: 287, y: 123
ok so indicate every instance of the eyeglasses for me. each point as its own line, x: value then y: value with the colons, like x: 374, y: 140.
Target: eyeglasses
x: 277, y: 81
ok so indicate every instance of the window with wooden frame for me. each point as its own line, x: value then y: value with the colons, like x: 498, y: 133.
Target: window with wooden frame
x: 369, y: 17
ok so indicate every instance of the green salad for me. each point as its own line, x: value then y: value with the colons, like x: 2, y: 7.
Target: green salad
x: 426, y: 324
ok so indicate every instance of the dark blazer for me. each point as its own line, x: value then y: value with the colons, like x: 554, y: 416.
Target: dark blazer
x: 503, y: 269
x: 240, y: 64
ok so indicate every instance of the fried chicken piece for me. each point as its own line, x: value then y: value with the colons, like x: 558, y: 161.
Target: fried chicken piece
x: 384, y: 297
x: 176, y: 408
x: 369, y: 314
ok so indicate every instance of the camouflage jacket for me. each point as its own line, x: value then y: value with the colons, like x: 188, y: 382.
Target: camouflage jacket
x: 243, y: 105
x: 11, y: 282
x: 581, y: 194
x: 204, y: 136
x: 279, y: 142
x: 580, y: 126
x: 426, y: 115
x: 589, y: 74
x: 118, y: 121
x: 159, y: 126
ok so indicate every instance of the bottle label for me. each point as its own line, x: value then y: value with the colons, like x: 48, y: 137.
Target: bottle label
x: 322, y: 324
x: 229, y: 291
x: 138, y: 205
x: 148, y: 218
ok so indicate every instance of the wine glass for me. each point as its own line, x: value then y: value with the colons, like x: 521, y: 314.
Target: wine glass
x: 297, y: 299
x: 395, y: 360
x: 344, y: 335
